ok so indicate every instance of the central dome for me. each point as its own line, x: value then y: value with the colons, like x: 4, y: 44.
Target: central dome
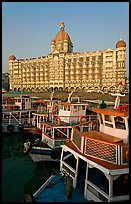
x: 62, y: 35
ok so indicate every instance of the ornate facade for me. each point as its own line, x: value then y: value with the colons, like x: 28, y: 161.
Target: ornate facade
x: 63, y: 69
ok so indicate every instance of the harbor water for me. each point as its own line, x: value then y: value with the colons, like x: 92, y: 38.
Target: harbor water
x: 20, y: 175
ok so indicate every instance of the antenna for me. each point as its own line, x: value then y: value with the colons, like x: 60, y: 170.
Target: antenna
x: 118, y: 94
x: 52, y: 93
x: 69, y: 97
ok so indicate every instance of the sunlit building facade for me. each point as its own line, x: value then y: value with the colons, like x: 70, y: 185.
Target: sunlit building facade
x: 63, y: 69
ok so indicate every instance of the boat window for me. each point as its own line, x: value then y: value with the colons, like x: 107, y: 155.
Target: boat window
x: 107, y: 118
x: 65, y: 107
x: 120, y: 123
x: 48, y: 131
x: 68, y: 108
x: 75, y: 107
x: 121, y: 185
x: 19, y: 100
x: 109, y: 125
x: 69, y: 159
x: 60, y: 133
x: 101, y: 119
x: 101, y: 181
x: 76, y: 139
x: 83, y: 107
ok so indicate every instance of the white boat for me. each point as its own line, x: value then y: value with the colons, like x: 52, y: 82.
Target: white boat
x: 57, y: 128
x: 96, y: 158
x: 16, y: 113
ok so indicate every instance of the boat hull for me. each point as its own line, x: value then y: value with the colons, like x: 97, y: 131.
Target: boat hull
x: 41, y: 154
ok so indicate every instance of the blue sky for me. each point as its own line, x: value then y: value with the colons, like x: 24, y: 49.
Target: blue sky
x: 29, y: 27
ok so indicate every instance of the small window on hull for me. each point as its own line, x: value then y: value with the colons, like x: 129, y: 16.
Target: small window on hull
x: 120, y: 123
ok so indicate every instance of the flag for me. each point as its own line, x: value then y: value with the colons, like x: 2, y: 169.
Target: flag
x: 120, y: 83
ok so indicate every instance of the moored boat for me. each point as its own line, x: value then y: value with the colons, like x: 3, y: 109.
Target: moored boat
x: 96, y: 158
x: 16, y: 113
x: 57, y: 128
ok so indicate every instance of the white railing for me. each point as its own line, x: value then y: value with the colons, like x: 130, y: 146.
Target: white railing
x: 99, y: 195
x: 68, y: 169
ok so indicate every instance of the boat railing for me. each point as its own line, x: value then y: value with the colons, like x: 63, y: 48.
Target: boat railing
x: 76, y: 138
x: 106, y: 151
x: 64, y: 118
x: 7, y: 121
x: 97, y: 193
x: 16, y: 121
x: 101, y: 150
x: 100, y: 194
x: 113, y: 152
x: 54, y: 142
x: 73, y: 120
x: 66, y: 168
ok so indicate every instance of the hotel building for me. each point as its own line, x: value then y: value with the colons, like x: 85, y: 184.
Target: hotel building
x: 63, y: 69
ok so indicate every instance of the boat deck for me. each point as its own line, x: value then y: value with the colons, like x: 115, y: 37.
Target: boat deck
x: 55, y: 191
x: 104, y: 164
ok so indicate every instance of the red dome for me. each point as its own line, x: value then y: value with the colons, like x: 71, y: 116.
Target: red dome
x: 120, y: 43
x: 62, y: 35
x: 12, y: 57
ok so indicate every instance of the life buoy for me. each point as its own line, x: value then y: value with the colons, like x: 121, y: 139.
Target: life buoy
x: 124, y: 108
x: 82, y: 119
x: 10, y: 128
x: 20, y: 127
x: 57, y: 121
x: 119, y: 108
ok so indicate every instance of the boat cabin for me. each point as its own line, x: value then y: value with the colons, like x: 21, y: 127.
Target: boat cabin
x: 71, y: 112
x: 97, y: 163
x: 97, y: 155
x: 52, y: 134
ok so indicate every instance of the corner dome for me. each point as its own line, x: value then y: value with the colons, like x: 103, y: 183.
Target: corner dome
x: 120, y: 43
x: 12, y: 57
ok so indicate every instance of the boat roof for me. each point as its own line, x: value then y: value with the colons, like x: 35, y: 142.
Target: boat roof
x: 110, y: 111
x: 106, y: 166
x: 72, y: 103
x: 97, y: 135
x: 40, y: 101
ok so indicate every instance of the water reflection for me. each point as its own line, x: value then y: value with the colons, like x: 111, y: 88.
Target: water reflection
x: 20, y: 175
